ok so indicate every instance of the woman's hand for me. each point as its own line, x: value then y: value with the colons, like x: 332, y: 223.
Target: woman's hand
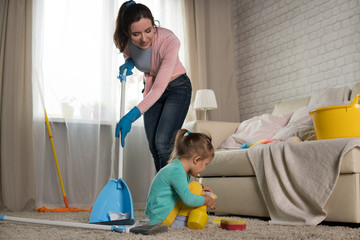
x: 128, y: 65
x: 124, y: 125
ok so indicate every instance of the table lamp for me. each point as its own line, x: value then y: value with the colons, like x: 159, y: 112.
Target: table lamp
x: 205, y: 100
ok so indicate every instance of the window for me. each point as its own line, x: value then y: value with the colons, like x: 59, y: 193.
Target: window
x: 80, y: 62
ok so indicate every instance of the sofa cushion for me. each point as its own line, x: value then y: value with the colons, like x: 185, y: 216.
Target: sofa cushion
x: 300, y: 125
x: 218, y: 130
x: 290, y: 106
x: 355, y: 90
x: 256, y: 129
x: 350, y: 162
x: 229, y: 163
x: 330, y: 96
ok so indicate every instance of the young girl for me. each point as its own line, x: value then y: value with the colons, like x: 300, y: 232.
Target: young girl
x: 170, y: 187
x: 167, y: 94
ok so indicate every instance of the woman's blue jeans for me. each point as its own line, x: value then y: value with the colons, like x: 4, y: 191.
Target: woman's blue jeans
x: 166, y: 117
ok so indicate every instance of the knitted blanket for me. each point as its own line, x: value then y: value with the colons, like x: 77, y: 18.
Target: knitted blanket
x: 297, y: 178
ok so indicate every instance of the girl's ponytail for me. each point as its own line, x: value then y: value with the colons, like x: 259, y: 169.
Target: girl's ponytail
x: 188, y: 144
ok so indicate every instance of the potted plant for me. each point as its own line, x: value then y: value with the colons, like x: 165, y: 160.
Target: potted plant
x: 67, y: 107
x: 86, y: 110
x: 99, y: 110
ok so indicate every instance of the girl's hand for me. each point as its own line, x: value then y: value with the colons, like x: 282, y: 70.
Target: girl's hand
x: 206, y: 188
x: 210, y: 202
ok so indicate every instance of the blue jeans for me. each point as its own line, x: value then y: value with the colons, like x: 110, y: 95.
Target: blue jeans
x: 166, y: 117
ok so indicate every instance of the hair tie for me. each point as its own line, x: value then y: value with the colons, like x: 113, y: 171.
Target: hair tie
x: 129, y: 3
x: 126, y: 6
x: 188, y: 132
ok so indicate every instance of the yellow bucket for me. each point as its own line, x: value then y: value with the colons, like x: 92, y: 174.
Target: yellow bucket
x: 198, y: 218
x: 337, y: 121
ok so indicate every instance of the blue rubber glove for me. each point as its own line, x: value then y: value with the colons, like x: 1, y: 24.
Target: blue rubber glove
x: 129, y: 65
x: 124, y: 125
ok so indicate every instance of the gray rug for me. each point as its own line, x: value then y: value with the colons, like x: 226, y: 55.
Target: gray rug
x: 255, y: 229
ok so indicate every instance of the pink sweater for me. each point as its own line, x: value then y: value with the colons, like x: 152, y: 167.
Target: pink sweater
x: 165, y: 64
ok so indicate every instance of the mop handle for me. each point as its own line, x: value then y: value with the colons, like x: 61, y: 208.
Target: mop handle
x: 122, y: 113
x: 56, y: 161
x: 119, y: 228
x: 122, y: 101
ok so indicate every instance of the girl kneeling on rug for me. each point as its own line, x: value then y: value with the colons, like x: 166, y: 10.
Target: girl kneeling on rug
x: 169, y: 192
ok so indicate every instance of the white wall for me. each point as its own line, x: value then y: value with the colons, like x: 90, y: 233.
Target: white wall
x: 287, y: 49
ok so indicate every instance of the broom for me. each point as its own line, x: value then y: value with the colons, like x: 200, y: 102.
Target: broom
x: 43, y: 208
x: 142, y: 229
x: 67, y: 208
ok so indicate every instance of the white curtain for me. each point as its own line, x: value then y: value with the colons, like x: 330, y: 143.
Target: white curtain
x: 74, y: 79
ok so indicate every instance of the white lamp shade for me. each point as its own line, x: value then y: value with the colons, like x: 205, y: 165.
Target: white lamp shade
x: 205, y: 99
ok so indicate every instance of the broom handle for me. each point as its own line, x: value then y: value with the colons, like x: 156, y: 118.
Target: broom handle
x: 51, y: 140
x: 56, y: 161
x: 120, y: 228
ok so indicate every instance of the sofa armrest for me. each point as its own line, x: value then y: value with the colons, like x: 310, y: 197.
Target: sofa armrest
x: 219, y: 131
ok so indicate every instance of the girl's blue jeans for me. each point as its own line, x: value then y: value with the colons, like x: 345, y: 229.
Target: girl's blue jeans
x: 166, y: 117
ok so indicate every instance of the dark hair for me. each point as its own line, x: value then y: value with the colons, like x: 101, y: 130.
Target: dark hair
x: 129, y: 13
x: 187, y: 144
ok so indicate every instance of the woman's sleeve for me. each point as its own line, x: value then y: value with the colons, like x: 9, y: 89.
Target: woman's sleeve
x: 181, y: 186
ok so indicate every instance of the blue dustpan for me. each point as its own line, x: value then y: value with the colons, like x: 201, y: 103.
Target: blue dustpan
x: 115, y: 198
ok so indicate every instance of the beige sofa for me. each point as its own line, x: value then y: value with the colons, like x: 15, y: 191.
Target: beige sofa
x: 232, y: 177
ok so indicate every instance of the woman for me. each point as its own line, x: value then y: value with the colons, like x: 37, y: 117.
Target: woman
x: 167, y: 94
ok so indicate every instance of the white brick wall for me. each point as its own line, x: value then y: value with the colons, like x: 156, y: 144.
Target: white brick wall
x: 286, y: 49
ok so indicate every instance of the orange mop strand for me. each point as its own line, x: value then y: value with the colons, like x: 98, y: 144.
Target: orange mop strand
x: 66, y: 209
